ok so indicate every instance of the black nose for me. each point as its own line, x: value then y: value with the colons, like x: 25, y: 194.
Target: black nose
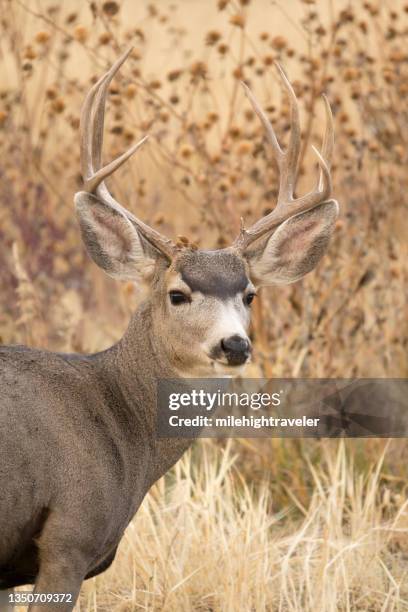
x: 236, y: 349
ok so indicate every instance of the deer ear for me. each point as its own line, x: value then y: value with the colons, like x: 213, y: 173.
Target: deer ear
x: 295, y: 248
x: 111, y: 240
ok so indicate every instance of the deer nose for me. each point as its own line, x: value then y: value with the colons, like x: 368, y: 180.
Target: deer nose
x: 236, y: 349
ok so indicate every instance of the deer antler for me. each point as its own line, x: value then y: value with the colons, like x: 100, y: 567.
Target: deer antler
x: 94, y: 175
x: 287, y: 206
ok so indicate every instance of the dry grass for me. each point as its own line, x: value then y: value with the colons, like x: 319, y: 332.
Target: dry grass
x: 210, y: 541
x: 206, y: 538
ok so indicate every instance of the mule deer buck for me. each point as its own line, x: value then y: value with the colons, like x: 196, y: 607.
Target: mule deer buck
x: 78, y: 444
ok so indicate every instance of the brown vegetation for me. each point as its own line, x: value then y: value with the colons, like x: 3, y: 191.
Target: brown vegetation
x: 207, y: 165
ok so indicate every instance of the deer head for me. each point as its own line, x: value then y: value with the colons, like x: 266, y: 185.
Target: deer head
x: 200, y: 299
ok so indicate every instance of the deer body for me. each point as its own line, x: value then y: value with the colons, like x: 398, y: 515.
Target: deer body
x: 78, y: 445
x: 97, y: 414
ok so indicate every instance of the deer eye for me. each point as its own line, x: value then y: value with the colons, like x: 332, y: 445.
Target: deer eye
x: 178, y: 297
x: 249, y: 298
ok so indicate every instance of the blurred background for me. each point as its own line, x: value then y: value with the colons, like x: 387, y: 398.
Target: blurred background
x: 206, y: 165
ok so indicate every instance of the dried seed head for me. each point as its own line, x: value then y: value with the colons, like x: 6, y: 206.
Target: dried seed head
x: 42, y: 37
x: 186, y: 151
x: 398, y: 56
x: 222, y: 49
x: 130, y: 91
x: 212, y: 37
x: 110, y: 8
x: 105, y: 38
x: 279, y: 43
x: 351, y: 74
x: 71, y: 18
x: 234, y: 131
x: 222, y: 4
x: 321, y: 31
x: 173, y: 75
x: 238, y: 73
x: 81, y: 33
x: 51, y: 93
x: 238, y: 20
x: 73, y: 122
x: 58, y: 105
x: 213, y: 117
x: 129, y: 135
x: 346, y: 15
x: 198, y: 70
x: 245, y: 147
x: 389, y: 75
x: 363, y: 26
x: 29, y: 53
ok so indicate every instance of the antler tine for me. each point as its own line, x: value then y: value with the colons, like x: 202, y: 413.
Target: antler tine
x: 292, y: 153
x: 266, y: 123
x: 324, y: 188
x: 287, y: 206
x: 328, y: 140
x: 85, y: 124
x: 91, y: 133
x: 99, y: 113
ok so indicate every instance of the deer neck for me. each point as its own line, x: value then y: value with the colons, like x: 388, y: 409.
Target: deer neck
x: 133, y: 367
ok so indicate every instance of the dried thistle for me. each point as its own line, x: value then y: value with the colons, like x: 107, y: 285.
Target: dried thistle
x: 198, y: 70
x: 81, y: 33
x: 173, y: 75
x: 238, y: 20
x: 104, y: 38
x: 130, y: 91
x: 110, y: 8
x: 279, y: 43
x: 42, y: 37
x: 222, y: 4
x: 212, y: 38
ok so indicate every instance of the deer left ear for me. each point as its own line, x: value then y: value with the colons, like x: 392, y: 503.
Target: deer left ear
x: 295, y: 248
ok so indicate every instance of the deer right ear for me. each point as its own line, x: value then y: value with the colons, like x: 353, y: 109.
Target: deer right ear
x: 294, y: 248
x: 111, y: 240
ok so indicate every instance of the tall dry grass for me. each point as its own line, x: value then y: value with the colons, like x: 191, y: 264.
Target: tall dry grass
x: 210, y: 541
x: 306, y: 525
